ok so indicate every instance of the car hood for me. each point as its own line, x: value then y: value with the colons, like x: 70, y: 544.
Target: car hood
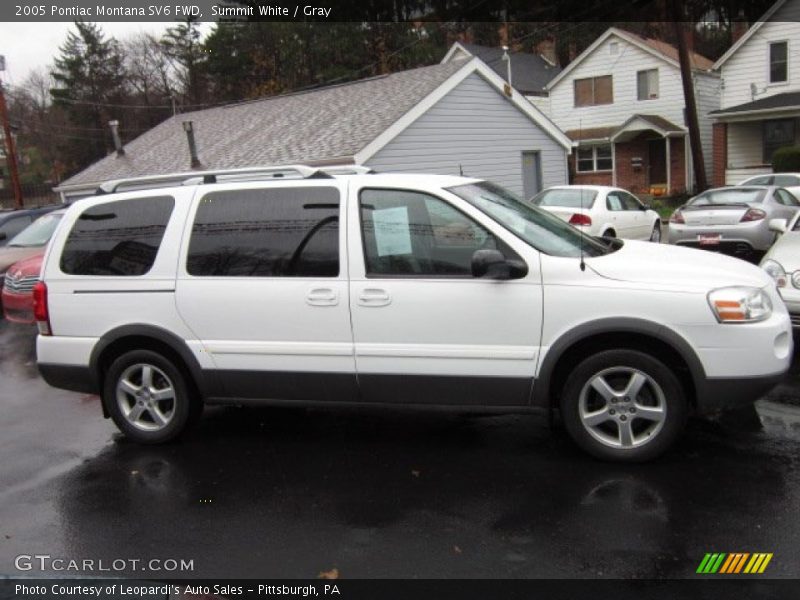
x: 786, y: 251
x: 10, y: 255
x: 672, y: 266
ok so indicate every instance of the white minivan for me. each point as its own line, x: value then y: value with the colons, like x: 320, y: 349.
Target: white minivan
x: 340, y: 287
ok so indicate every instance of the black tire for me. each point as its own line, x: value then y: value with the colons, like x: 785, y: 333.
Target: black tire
x: 181, y: 410
x: 638, y: 438
x: 609, y: 233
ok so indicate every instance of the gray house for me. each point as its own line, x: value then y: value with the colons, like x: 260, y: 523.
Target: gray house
x: 447, y: 118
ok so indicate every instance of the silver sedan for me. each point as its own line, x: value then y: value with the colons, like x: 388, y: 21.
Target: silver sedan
x: 734, y: 219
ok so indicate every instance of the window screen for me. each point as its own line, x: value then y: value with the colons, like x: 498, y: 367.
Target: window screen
x: 117, y: 238
x: 274, y: 232
x: 778, y: 62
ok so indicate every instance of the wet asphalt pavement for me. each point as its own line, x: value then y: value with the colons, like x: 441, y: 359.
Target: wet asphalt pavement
x: 291, y: 493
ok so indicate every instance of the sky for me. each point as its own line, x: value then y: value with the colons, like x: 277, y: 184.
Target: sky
x: 28, y: 46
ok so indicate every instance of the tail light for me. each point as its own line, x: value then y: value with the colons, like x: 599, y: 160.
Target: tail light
x: 753, y: 214
x: 580, y: 219
x: 40, y: 310
x: 677, y: 217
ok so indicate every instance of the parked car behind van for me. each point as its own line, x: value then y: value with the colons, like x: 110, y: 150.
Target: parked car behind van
x: 339, y: 287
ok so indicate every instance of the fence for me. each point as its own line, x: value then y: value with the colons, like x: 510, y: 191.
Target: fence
x: 32, y: 195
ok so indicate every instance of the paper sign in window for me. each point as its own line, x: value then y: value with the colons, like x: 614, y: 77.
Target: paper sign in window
x: 392, y: 231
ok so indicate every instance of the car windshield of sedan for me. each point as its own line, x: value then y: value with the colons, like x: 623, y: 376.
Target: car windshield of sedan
x: 729, y: 196
x: 572, y: 198
x: 537, y: 227
x: 37, y: 233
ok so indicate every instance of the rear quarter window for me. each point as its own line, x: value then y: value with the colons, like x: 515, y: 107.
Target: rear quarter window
x: 119, y: 238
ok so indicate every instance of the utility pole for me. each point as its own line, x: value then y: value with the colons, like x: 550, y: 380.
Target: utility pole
x: 688, y: 95
x: 11, y: 150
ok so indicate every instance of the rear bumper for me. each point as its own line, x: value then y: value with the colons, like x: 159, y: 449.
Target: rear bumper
x: 721, y: 394
x: 756, y: 235
x: 18, y: 307
x: 74, y: 378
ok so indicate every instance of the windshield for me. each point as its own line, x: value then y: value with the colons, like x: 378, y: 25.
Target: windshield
x: 729, y: 196
x: 537, y: 227
x: 568, y: 198
x: 37, y: 233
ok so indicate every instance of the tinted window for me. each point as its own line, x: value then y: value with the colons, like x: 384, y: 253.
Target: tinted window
x: 276, y: 232
x: 568, y: 198
x: 787, y: 180
x: 117, y: 238
x: 786, y: 198
x: 409, y: 233
x: 738, y: 195
x: 13, y: 226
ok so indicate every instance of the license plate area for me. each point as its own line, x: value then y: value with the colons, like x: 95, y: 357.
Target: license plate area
x: 709, y: 239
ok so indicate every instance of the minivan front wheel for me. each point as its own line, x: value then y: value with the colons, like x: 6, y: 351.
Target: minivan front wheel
x: 147, y: 397
x: 623, y: 405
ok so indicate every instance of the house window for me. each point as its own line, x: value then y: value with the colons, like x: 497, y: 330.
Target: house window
x: 595, y: 158
x: 778, y: 62
x: 777, y: 134
x: 613, y: 48
x: 594, y: 90
x: 647, y: 84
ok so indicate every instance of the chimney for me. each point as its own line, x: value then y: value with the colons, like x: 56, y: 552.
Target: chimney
x: 738, y: 27
x: 188, y: 127
x: 114, y: 125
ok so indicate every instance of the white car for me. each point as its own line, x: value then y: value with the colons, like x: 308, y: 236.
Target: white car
x: 782, y: 262
x: 601, y: 211
x: 337, y: 287
x: 788, y: 181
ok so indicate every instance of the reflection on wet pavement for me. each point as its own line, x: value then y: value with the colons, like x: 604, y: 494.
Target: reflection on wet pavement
x: 291, y: 492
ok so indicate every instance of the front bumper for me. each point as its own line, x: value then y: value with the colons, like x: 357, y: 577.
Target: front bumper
x: 721, y: 394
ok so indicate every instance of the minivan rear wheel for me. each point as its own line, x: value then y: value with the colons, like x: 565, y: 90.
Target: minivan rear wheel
x: 623, y: 405
x: 147, y: 397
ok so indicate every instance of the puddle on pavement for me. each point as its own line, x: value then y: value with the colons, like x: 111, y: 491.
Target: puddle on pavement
x: 779, y: 418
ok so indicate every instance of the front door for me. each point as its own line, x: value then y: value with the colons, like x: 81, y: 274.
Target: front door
x: 531, y: 173
x: 425, y: 330
x: 657, y: 161
x: 263, y: 287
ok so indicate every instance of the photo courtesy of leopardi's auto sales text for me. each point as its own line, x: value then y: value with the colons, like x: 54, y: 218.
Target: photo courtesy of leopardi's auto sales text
x: 399, y: 300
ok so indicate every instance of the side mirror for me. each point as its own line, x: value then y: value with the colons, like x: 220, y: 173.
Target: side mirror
x: 491, y: 264
x: 778, y: 225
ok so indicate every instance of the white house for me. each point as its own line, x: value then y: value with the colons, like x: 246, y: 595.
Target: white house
x: 760, y: 99
x: 448, y: 118
x: 622, y: 102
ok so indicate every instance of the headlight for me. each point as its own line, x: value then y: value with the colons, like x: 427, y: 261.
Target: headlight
x: 796, y: 279
x: 775, y: 270
x: 740, y: 304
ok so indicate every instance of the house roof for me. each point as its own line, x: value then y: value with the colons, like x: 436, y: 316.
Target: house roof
x: 778, y: 102
x: 749, y: 33
x: 657, y: 48
x: 336, y: 124
x: 659, y: 124
x: 530, y: 73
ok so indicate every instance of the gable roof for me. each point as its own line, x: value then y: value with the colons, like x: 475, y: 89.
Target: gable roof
x: 666, y: 52
x: 749, y: 33
x: 530, y: 73
x: 336, y: 124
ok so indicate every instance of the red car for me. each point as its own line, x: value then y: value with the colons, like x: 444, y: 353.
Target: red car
x: 18, y: 289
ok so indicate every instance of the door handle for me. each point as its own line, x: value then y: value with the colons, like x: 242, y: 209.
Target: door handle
x: 322, y: 297
x: 374, y: 297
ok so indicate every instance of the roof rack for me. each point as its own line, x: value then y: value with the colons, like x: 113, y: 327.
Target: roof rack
x: 242, y: 174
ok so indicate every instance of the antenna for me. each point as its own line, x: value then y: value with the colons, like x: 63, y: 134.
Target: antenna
x: 580, y: 136
x: 460, y: 170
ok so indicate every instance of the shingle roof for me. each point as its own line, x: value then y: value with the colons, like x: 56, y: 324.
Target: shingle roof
x: 530, y: 73
x: 777, y: 102
x: 698, y: 61
x: 334, y: 122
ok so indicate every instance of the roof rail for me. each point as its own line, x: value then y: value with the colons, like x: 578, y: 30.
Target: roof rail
x: 213, y: 175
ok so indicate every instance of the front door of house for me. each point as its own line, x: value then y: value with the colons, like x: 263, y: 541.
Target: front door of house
x: 657, y: 161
